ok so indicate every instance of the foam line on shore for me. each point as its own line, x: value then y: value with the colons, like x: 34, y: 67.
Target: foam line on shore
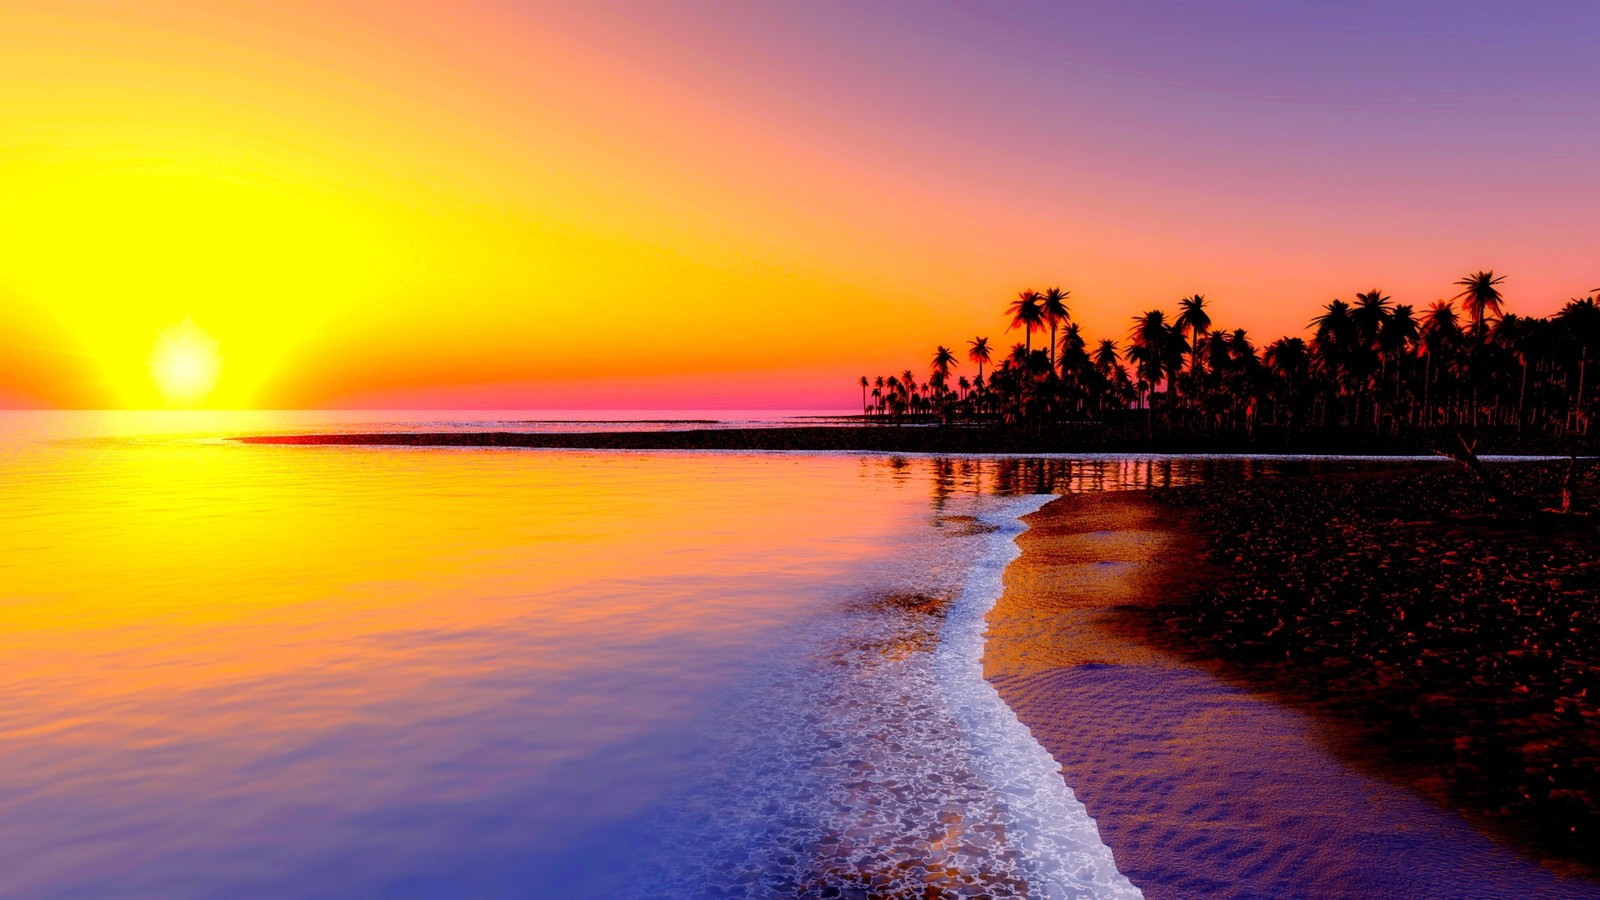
x: 1062, y: 854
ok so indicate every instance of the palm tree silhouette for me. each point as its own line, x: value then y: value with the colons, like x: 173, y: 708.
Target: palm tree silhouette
x: 1480, y: 298
x: 1107, y: 356
x: 1334, y: 343
x: 1193, y: 318
x: 1581, y: 318
x: 1148, y: 349
x: 1288, y: 360
x: 864, y: 384
x: 1027, y: 313
x: 1440, y: 330
x: 1528, y: 372
x: 1398, y: 333
x: 1510, y: 335
x: 1054, y: 307
x: 1368, y: 317
x: 978, y: 352
x: 1108, y: 363
x: 943, y: 359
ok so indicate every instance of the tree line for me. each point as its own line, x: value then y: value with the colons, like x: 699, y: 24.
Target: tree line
x: 1369, y: 364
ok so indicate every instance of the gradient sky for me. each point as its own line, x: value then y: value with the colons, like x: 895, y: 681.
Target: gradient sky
x: 687, y: 205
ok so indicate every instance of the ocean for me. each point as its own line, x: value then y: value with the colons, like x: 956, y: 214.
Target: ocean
x: 245, y: 670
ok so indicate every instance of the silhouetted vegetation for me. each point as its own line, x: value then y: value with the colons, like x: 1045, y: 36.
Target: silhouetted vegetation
x: 1371, y: 366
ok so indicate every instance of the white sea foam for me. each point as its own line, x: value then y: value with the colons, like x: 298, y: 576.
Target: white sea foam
x: 1062, y: 855
x: 872, y: 756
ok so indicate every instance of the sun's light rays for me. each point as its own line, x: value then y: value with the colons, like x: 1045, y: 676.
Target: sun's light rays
x: 184, y: 363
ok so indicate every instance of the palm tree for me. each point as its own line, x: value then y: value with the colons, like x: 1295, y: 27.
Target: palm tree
x: 1027, y: 313
x: 1440, y: 330
x: 1072, y: 347
x: 1193, y: 318
x: 943, y: 359
x: 978, y: 352
x: 1512, y: 334
x: 1480, y: 298
x: 1107, y: 361
x: 1334, y: 343
x: 1107, y: 356
x: 1150, y: 344
x: 1398, y: 334
x: 1371, y: 311
x: 864, y: 384
x: 1368, y: 317
x: 1290, y: 363
x: 1581, y: 320
x: 1054, y: 307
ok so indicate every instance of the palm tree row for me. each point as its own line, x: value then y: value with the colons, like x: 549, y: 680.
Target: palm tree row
x: 1371, y: 365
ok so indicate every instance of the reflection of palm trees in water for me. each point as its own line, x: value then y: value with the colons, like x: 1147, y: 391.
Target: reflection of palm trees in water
x: 1011, y: 476
x: 943, y: 482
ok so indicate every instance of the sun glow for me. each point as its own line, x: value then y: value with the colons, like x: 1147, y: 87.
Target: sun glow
x: 184, y: 363
x: 116, y: 255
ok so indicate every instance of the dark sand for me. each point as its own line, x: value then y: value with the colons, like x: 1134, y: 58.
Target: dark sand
x: 1199, y: 787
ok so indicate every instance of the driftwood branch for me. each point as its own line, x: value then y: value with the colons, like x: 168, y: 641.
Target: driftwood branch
x: 1572, y: 507
x: 1487, y: 478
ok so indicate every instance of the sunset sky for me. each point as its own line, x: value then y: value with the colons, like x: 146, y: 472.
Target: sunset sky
x: 738, y: 205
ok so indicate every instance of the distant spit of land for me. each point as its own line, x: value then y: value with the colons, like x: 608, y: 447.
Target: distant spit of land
x: 966, y: 439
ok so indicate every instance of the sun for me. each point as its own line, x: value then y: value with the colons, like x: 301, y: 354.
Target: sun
x: 185, y: 362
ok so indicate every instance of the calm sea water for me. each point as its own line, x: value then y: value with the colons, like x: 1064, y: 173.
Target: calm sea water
x: 242, y: 670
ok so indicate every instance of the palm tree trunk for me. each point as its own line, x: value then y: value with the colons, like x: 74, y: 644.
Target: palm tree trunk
x: 1583, y: 364
x: 1427, y: 382
x: 1025, y: 373
x: 1399, y: 367
x: 1522, y: 397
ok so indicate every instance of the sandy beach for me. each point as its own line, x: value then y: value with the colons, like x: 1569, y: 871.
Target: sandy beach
x: 1199, y: 786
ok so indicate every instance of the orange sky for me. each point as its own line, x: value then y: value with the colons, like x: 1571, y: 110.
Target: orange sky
x: 713, y: 205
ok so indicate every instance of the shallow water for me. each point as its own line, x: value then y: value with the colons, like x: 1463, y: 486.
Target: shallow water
x: 235, y: 670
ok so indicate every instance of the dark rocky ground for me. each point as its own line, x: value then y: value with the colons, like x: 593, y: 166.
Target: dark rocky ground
x: 1444, y: 641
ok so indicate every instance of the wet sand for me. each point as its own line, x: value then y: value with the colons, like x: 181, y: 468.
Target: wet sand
x: 1199, y: 787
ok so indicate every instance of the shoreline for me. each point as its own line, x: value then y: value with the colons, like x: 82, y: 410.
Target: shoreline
x: 951, y: 440
x: 1059, y: 845
x: 1198, y: 785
